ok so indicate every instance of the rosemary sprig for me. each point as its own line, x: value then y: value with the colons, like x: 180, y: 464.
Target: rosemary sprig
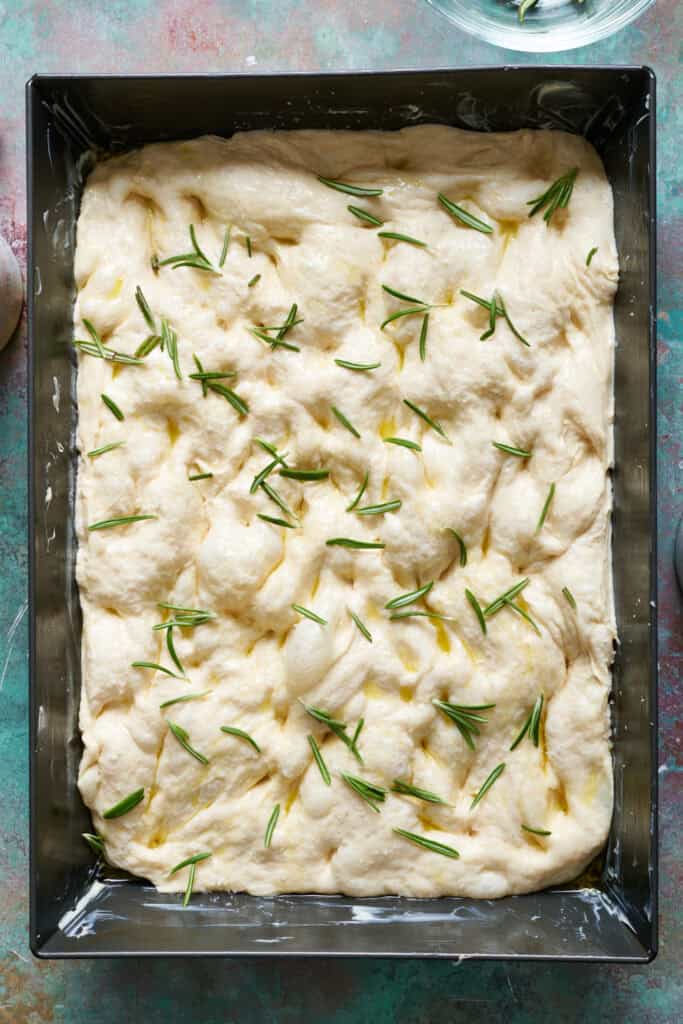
x: 427, y: 844
x: 368, y: 791
x: 210, y: 381
x: 247, y: 242
x: 411, y: 311
x: 112, y: 406
x: 183, y: 738
x: 461, y: 542
x: 270, y: 827
x: 569, y: 597
x: 195, y: 859
x: 322, y: 767
x: 336, y: 727
x: 253, y: 280
x: 403, y: 443
x: 104, y: 352
x: 276, y: 521
x: 509, y: 449
x: 423, y: 337
x: 125, y: 805
x: 465, y: 218
x: 169, y: 344
x: 546, y: 506
x: 308, y: 614
x: 156, y: 668
x: 107, y: 524
x: 589, y: 260
x: 525, y: 6
x: 200, y: 476
x: 508, y: 595
x: 403, y: 297
x: 344, y: 422
x: 349, y: 542
x: 282, y: 330
x: 409, y: 598
x: 396, y: 236
x: 361, y: 626
x: 406, y: 789
x: 369, y: 218
x: 427, y: 419
x: 495, y: 308
x: 304, y: 474
x: 105, y: 448
x: 556, y: 197
x: 466, y: 717
x: 196, y: 258
x: 184, y: 699
x: 359, y: 495
x: 477, y: 609
x: 414, y: 613
x: 486, y: 785
x: 226, y: 243
x: 351, y: 190
x: 143, y: 306
x: 378, y: 510
x: 536, y: 831
x: 360, y: 367
x: 95, y: 842
x: 532, y: 724
x: 232, y: 730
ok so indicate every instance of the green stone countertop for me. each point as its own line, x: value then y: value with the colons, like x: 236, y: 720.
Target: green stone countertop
x: 142, y: 36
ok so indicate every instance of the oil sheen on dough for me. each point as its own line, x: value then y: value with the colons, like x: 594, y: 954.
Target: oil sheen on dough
x: 258, y: 659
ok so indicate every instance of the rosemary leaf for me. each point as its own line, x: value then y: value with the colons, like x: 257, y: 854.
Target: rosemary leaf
x: 556, y: 197
x: 183, y: 739
x: 169, y: 342
x: 304, y: 474
x: 247, y: 242
x: 112, y: 406
x: 409, y: 598
x: 361, y: 626
x: 508, y: 595
x: 499, y: 303
x: 226, y: 243
x: 486, y: 785
x: 277, y: 498
x: 308, y: 614
x: 347, y: 365
x: 403, y: 297
x: 398, y: 237
x: 405, y: 789
x: 463, y: 548
x: 359, y: 495
x: 263, y: 474
x: 477, y: 609
x: 427, y: 419
x: 106, y: 524
x: 411, y: 614
x: 232, y: 730
x: 423, y: 337
x: 368, y: 791
x: 253, y: 280
x: 201, y: 476
x: 344, y: 422
x: 336, y: 727
x: 427, y: 844
x: 348, y: 542
x: 105, y: 448
x: 143, y: 306
x: 532, y: 724
x: 271, y: 449
x: 509, y: 449
x: 465, y: 218
x: 569, y: 597
x: 589, y: 260
x: 403, y: 443
x: 275, y: 521
x: 525, y: 6
x: 238, y: 404
x: 184, y: 700
x: 525, y: 615
x: 377, y: 510
x: 155, y: 668
x: 103, y: 352
x: 125, y: 805
x: 170, y: 647
x: 189, y: 888
x: 411, y: 311
x: 95, y: 842
x: 322, y: 767
x: 351, y: 190
x: 96, y: 340
x: 147, y: 346
x: 369, y: 218
x: 546, y: 506
x: 536, y: 831
x: 270, y: 827
x: 195, y: 859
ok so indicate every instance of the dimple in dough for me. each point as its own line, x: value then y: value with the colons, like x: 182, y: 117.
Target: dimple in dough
x: 258, y: 659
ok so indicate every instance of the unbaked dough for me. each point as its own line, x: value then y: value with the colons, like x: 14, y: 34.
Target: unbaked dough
x: 257, y: 658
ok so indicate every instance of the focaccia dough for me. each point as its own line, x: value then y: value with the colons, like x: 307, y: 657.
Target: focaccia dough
x: 209, y: 550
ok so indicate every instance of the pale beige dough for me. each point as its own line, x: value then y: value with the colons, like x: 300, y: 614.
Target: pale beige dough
x: 208, y: 549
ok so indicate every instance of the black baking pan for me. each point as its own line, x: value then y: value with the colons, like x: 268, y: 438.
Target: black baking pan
x: 78, y: 909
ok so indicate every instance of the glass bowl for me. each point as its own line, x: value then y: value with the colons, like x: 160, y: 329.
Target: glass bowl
x: 547, y: 26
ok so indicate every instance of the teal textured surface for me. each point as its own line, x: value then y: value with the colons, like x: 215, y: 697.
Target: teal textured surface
x: 133, y: 36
